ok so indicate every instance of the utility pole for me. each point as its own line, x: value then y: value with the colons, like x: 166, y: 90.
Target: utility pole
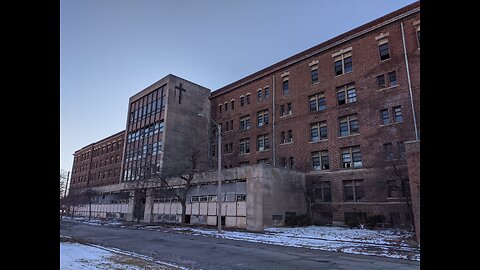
x: 66, y: 185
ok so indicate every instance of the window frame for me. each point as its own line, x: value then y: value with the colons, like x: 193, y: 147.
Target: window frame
x: 285, y: 87
x: 345, y: 91
x: 245, y: 123
x: 342, y: 60
x: 357, y: 187
x: 349, y: 153
x: 384, y: 52
x: 245, y: 146
x: 323, y: 187
x: 323, y: 160
x: 397, y: 114
x: 349, y: 120
x: 264, y: 141
x: 317, y: 127
x: 262, y: 118
x: 314, y: 75
x: 388, y: 151
x: 316, y: 100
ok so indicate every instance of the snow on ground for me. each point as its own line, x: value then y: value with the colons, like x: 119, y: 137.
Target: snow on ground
x: 76, y: 256
x: 386, y: 243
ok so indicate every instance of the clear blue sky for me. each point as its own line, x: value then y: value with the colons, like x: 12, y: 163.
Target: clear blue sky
x: 112, y: 49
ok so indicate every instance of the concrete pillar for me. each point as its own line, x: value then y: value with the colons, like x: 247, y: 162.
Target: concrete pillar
x: 254, y: 205
x: 131, y: 204
x: 148, y: 216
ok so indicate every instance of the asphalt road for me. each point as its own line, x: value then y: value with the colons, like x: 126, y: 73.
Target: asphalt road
x: 202, y: 252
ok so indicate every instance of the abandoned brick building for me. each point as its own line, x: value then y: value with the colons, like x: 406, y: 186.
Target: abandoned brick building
x: 344, y: 113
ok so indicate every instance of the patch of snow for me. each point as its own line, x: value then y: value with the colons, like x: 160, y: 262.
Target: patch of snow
x: 356, y: 241
x: 75, y: 256
x: 385, y: 242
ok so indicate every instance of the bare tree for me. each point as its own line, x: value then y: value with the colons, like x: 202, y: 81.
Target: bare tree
x: 63, y: 182
x: 83, y: 197
x: 310, y: 199
x: 401, y: 184
x: 63, y: 188
x: 180, y: 190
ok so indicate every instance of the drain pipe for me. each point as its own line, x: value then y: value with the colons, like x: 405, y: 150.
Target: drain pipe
x: 273, y: 122
x: 409, y: 82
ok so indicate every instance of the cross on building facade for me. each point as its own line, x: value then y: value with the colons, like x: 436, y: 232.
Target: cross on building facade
x: 180, y: 90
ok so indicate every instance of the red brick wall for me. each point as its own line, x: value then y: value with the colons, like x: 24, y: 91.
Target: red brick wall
x: 370, y: 100
x: 413, y: 160
x: 90, y: 167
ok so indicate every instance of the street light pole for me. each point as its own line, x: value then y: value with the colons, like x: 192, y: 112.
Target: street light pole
x: 219, y: 175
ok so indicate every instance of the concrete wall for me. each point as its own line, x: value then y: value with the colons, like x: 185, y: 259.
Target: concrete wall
x: 184, y: 128
x: 269, y: 191
x: 272, y: 192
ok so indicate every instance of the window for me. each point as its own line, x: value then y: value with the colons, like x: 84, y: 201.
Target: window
x: 286, y: 109
x: 384, y: 51
x: 348, y: 125
x: 259, y: 94
x: 248, y: 98
x: 245, y: 123
x: 245, y: 146
x: 351, y: 157
x: 320, y: 161
x: 353, y: 191
x: 317, y: 102
x: 267, y: 92
x: 392, y: 76
x: 398, y: 188
x: 318, y: 131
x: 397, y: 114
x: 220, y: 108
x: 161, y: 126
x: 286, y: 136
x: 262, y: 118
x: 418, y: 38
x: 242, y: 101
x: 228, y: 148
x: 387, y: 147
x: 343, y: 64
x: 314, y: 75
x: 226, y: 106
x: 292, y: 163
x: 401, y: 149
x: 385, y: 117
x: 232, y: 103
x: 262, y: 143
x: 285, y: 87
x: 381, y: 81
x: 346, y: 94
x: 323, y: 193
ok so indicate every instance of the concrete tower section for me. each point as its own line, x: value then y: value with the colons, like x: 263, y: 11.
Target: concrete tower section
x: 164, y: 127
